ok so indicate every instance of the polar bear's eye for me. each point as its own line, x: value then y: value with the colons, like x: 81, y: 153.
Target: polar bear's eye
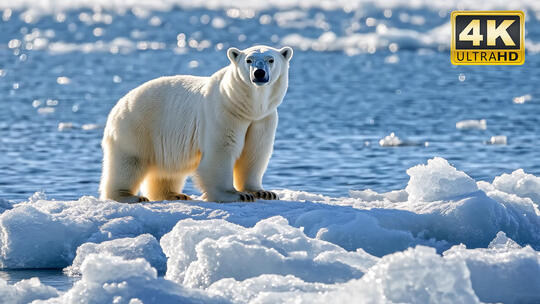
x: 271, y: 60
x: 249, y: 61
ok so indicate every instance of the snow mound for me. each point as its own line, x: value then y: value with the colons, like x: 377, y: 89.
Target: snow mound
x: 438, y: 180
x: 269, y: 288
x: 502, y: 242
x: 381, y: 247
x: 520, y: 184
x: 200, y: 253
x: 25, y: 291
x: 111, y: 279
x: 417, y: 275
x: 142, y: 246
x: 504, y: 274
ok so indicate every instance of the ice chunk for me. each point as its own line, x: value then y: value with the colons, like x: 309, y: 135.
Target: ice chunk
x: 34, y: 239
x: 417, y: 275
x: 88, y: 127
x: 143, y: 246
x: 501, y: 241
x: 269, y: 288
x: 25, y: 291
x: 437, y: 180
x: 519, y: 183
x: 522, y: 99
x: 390, y: 141
x: 509, y: 275
x: 472, y: 124
x: 62, y: 126
x: 498, y: 140
x: 201, y: 253
x: 111, y: 279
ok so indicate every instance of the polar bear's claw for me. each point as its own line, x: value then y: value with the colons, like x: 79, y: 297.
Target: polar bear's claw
x: 247, y: 197
x: 265, y: 195
x: 132, y: 199
x: 178, y: 197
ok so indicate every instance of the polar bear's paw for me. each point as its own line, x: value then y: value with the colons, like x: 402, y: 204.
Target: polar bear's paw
x: 229, y: 196
x: 178, y: 197
x: 133, y: 199
x: 265, y: 195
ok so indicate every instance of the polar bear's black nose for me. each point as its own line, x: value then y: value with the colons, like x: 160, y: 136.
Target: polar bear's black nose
x: 259, y: 74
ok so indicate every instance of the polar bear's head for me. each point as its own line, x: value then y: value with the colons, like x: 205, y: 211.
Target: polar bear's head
x: 260, y: 65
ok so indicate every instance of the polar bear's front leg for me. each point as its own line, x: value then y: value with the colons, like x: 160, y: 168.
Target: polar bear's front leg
x: 250, y: 167
x: 215, y: 171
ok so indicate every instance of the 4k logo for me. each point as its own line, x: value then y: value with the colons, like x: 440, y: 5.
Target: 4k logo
x: 487, y: 37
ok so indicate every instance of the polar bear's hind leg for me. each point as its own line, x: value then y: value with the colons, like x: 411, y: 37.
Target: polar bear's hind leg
x: 122, y: 175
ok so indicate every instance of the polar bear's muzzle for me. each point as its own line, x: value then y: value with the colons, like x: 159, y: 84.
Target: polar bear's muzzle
x: 260, y: 76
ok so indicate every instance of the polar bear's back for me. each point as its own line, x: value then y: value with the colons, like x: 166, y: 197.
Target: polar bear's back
x: 153, y: 120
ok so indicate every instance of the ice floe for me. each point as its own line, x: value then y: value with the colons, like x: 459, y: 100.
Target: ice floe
x: 472, y: 124
x: 444, y: 238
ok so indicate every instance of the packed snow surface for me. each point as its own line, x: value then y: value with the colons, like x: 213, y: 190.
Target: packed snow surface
x: 445, y: 238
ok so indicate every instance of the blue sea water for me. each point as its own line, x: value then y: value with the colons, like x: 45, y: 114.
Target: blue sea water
x: 60, y: 74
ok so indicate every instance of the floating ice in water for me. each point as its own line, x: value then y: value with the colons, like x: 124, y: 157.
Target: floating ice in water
x: 498, y: 140
x: 63, y: 80
x: 391, y: 59
x: 312, y: 248
x: 370, y: 42
x: 25, y: 291
x: 65, y: 126
x: 88, y: 127
x: 142, y: 246
x: 390, y: 141
x: 437, y: 180
x: 46, y: 110
x: 522, y: 99
x: 472, y: 124
x: 112, y: 279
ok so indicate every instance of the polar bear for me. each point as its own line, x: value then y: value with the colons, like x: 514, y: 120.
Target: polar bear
x: 220, y: 129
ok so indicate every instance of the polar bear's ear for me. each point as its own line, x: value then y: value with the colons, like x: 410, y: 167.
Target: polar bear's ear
x: 286, y: 52
x: 233, y: 54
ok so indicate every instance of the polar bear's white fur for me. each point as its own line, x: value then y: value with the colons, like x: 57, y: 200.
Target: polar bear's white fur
x: 219, y: 128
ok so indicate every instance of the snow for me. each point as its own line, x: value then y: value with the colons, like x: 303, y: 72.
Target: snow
x: 497, y: 274
x: 25, y: 291
x: 437, y: 180
x: 215, y: 248
x: 390, y: 141
x: 112, y: 279
x: 142, y: 246
x: 445, y: 238
x: 520, y: 184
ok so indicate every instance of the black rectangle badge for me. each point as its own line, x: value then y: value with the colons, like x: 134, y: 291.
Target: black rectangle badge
x: 487, y: 37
